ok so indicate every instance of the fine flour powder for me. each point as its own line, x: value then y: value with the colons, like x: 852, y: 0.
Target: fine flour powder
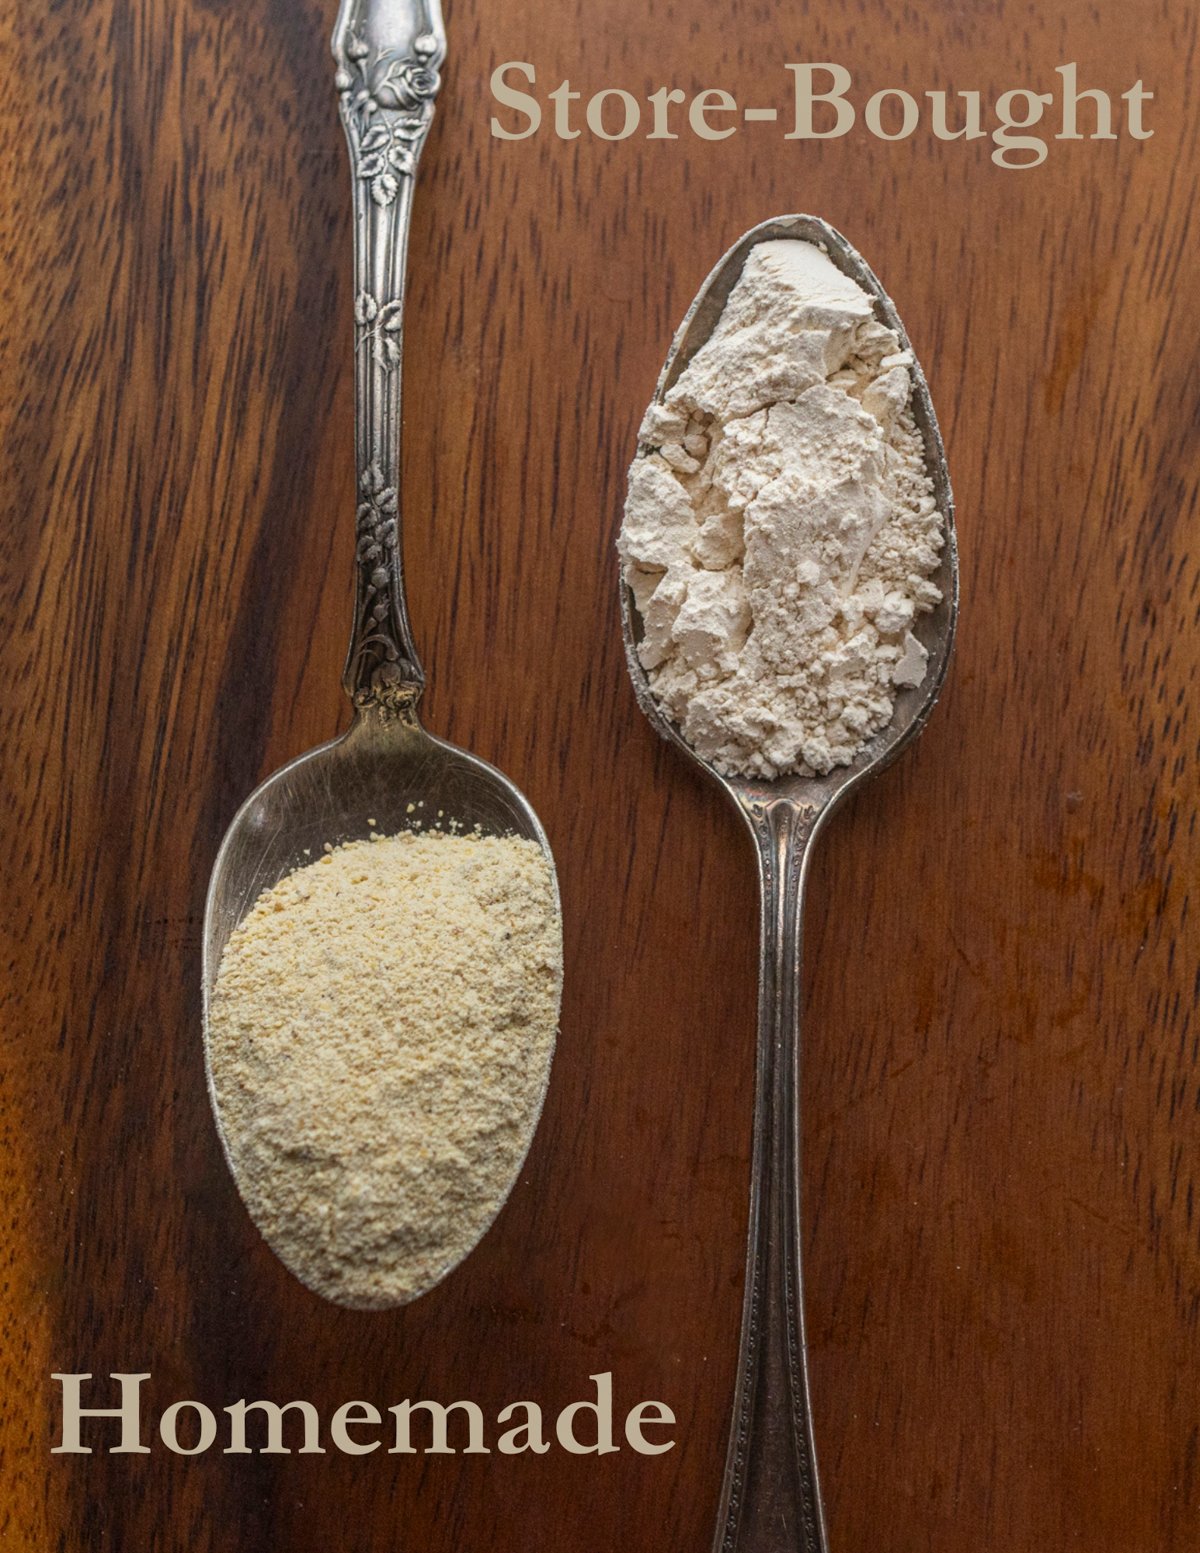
x: 780, y: 528
x: 381, y: 1033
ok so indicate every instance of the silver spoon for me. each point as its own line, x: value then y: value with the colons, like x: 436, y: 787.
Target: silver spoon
x: 770, y: 1498
x: 385, y: 772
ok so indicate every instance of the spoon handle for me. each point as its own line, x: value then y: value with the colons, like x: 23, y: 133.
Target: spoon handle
x: 770, y: 1499
x: 388, y: 55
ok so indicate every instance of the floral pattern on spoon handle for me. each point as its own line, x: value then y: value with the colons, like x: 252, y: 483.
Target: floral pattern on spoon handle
x: 389, y: 54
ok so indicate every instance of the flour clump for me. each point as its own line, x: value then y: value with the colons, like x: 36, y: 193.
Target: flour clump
x: 780, y: 527
x: 380, y: 1039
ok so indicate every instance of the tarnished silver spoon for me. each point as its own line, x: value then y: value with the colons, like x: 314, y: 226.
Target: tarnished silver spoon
x: 770, y: 1498
x: 386, y: 771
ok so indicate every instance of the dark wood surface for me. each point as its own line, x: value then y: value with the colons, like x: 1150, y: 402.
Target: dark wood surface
x: 1002, y: 1079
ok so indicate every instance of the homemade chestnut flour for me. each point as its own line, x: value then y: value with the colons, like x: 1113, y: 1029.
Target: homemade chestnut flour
x: 381, y: 1032
x: 780, y: 528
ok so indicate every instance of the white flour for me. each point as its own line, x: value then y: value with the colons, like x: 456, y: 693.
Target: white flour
x: 780, y: 528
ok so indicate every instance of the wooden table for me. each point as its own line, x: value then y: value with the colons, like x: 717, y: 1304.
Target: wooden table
x: 1002, y: 1075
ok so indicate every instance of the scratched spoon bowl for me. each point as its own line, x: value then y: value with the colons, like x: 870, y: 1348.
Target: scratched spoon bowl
x: 770, y: 1495
x: 386, y: 773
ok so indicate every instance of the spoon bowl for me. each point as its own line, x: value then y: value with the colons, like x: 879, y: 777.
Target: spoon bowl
x: 770, y: 1496
x: 934, y: 629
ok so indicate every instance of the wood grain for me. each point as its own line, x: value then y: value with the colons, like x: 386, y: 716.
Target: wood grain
x: 1002, y: 1055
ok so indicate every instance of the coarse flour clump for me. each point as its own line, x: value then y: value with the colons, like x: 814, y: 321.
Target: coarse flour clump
x: 380, y: 1039
x: 780, y: 527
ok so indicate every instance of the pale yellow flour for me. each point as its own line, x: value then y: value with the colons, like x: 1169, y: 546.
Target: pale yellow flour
x: 381, y: 1033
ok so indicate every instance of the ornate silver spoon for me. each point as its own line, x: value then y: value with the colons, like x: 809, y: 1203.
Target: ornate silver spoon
x: 385, y: 771
x: 770, y: 1499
